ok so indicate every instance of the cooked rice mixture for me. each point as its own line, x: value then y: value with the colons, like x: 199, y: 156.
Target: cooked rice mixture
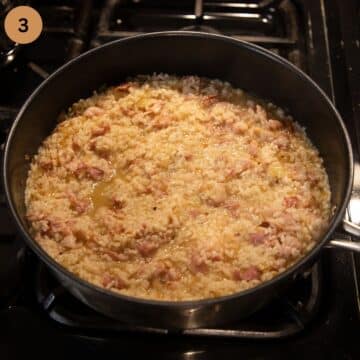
x: 175, y: 189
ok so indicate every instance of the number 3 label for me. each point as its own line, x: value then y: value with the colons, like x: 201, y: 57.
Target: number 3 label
x: 23, y: 24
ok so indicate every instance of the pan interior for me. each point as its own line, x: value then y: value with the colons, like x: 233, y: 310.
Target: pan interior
x: 187, y: 54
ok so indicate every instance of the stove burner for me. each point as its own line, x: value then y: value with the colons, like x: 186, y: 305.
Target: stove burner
x: 8, y: 49
x: 12, y: 260
x: 200, y: 28
x: 285, y: 316
x: 7, y: 54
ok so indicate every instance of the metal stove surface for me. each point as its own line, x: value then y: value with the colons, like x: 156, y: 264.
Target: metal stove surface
x: 317, y: 317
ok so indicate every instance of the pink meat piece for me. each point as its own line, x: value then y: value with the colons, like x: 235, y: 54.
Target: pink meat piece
x: 146, y: 247
x: 312, y: 177
x: 100, y: 130
x: 46, y: 164
x: 247, y: 274
x: 165, y: 273
x: 80, y: 206
x: 291, y: 201
x: 240, y: 167
x: 115, y: 255
x: 198, y: 264
x: 75, y: 144
x: 214, y: 255
x: 94, y: 173
x: 124, y: 87
x: 116, y: 282
x: 93, y: 111
x: 161, y: 122
x: 194, y: 213
x: 209, y: 100
x: 274, y: 124
x: 253, y: 148
x: 257, y: 238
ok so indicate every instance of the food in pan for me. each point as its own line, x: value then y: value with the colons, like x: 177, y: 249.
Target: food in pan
x: 177, y: 188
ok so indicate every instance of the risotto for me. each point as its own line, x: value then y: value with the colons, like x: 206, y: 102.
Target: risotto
x: 176, y: 188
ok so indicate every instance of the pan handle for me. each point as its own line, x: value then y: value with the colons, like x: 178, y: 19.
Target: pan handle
x: 351, y: 229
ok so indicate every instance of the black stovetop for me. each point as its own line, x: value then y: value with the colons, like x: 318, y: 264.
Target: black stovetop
x: 318, y: 317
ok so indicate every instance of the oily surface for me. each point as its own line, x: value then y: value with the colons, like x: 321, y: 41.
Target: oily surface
x: 176, y: 188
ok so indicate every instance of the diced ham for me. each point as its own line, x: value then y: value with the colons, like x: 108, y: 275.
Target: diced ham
x: 115, y: 255
x: 274, y: 124
x: 80, y: 206
x: 100, y: 130
x: 60, y: 227
x: 75, y: 144
x: 253, y: 148
x: 128, y: 111
x: 146, y: 248
x: 313, y: 177
x: 194, y: 213
x: 291, y: 201
x: 106, y: 280
x: 240, y: 167
x: 165, y: 273
x: 116, y: 282
x: 198, y: 264
x: 101, y: 148
x: 52, y: 226
x: 92, y: 172
x: 46, y: 164
x: 35, y: 216
x: 247, y: 274
x: 209, y: 100
x: 257, y: 238
x: 124, y: 87
x: 161, y: 122
x: 214, y: 255
x: 93, y: 111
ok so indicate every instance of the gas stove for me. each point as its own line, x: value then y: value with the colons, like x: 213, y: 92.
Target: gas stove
x: 318, y: 316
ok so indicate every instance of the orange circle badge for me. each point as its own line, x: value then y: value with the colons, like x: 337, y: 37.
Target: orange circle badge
x: 23, y: 24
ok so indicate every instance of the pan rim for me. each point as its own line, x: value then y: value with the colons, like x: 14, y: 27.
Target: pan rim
x: 301, y: 263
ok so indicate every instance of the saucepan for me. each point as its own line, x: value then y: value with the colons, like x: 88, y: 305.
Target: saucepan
x: 244, y: 65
